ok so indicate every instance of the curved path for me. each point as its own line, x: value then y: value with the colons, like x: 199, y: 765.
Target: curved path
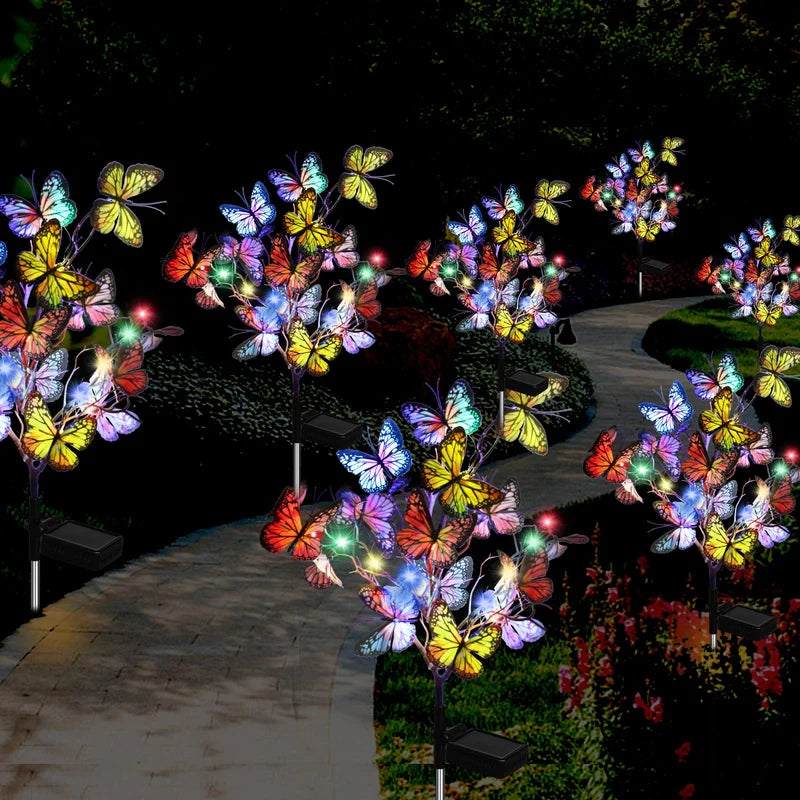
x: 209, y: 670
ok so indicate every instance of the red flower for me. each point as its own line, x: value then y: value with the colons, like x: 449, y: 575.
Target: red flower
x: 653, y: 711
x: 687, y: 791
x: 564, y: 680
x: 642, y: 562
x: 682, y: 752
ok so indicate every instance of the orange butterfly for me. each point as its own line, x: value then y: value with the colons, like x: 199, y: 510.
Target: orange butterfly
x: 779, y: 495
x: 181, y: 264
x: 701, y: 467
x: 710, y: 275
x: 420, y: 266
x: 36, y: 337
x: 283, y: 271
x: 491, y: 270
x: 421, y: 540
x: 601, y: 461
x: 124, y: 369
x: 532, y: 578
x: 286, y: 531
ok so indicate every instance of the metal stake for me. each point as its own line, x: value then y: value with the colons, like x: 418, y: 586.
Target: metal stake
x: 35, y: 604
x: 297, y: 425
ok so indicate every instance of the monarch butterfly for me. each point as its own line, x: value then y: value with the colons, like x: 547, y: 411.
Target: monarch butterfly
x: 35, y: 337
x: 726, y: 546
x: 358, y: 163
x: 545, y: 193
x: 312, y: 235
x: 312, y: 356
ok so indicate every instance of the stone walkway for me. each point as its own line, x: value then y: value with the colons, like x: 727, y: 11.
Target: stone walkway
x: 212, y: 670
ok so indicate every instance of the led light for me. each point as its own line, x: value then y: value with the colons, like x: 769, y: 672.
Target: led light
x: 725, y: 275
x: 373, y: 563
x: 780, y: 469
x: 376, y: 257
x: 665, y: 484
x: 466, y: 281
x: 449, y: 269
x: 247, y: 289
x: 365, y: 272
x: 532, y: 540
x: 606, y: 194
x: 128, y: 333
x: 558, y: 259
x: 677, y: 188
x: 551, y: 270
x: 104, y: 364
x: 348, y: 295
x: 790, y: 455
x: 222, y: 273
x: 142, y: 313
x: 546, y: 520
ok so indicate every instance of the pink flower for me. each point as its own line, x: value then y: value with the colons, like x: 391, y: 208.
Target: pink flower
x: 564, y: 680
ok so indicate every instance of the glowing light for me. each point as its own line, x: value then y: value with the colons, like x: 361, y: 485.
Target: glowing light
x: 365, y: 272
x: 665, y: 484
x: 671, y: 194
x: 547, y: 520
x: 466, y: 281
x: 247, y: 289
x: 725, y: 275
x: 222, y: 273
x: 780, y: 469
x: 558, y: 259
x: 128, y: 333
x: 508, y: 573
x: 449, y: 269
x: 677, y: 188
x: 104, y: 364
x: 485, y: 602
x: 142, y: 313
x: 532, y: 540
x: 606, y: 194
x: 373, y: 563
x: 376, y: 257
x: 790, y: 455
x: 348, y: 295
x: 551, y: 270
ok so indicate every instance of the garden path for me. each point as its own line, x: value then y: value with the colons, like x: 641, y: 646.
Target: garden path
x: 207, y: 670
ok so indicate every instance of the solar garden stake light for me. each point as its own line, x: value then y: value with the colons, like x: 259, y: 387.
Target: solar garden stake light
x: 699, y: 501
x: 631, y: 193
x: 483, y: 266
x: 272, y: 269
x: 49, y: 297
x: 414, y: 561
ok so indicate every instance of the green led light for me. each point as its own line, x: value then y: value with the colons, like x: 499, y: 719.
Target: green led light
x: 725, y: 275
x: 365, y: 272
x: 606, y: 194
x: 780, y: 469
x: 128, y: 333
x: 532, y: 540
x: 449, y: 269
x: 550, y: 270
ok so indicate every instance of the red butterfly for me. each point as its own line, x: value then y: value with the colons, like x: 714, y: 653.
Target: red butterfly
x: 710, y: 275
x: 419, y: 265
x: 421, y: 540
x: 601, y: 461
x: 124, y: 370
x: 532, y: 578
x: 779, y: 495
x: 36, y: 337
x: 366, y: 301
x: 282, y: 270
x: 287, y: 531
x: 701, y: 467
x: 490, y: 270
x: 182, y: 266
x: 593, y: 192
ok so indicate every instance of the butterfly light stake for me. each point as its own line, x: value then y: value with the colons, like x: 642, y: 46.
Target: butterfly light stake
x: 45, y: 297
x: 690, y: 472
x: 411, y: 549
x: 503, y: 280
x: 640, y: 199
x: 273, y: 269
x: 757, y: 274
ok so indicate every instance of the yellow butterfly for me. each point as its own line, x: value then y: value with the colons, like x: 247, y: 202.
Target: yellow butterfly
x: 510, y: 242
x: 646, y: 230
x: 112, y: 213
x: 773, y: 363
x: 764, y: 252
x: 43, y: 441
x: 311, y: 234
x: 509, y: 328
x: 313, y: 356
x: 519, y: 420
x: 56, y: 282
x: 546, y: 192
x: 790, y: 226
x: 766, y: 313
x: 643, y: 171
x: 668, y: 149
x: 458, y: 491
x: 718, y: 421
x: 449, y: 649
x: 358, y: 162
x: 731, y: 549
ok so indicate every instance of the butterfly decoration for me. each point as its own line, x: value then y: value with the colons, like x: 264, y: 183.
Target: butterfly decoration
x: 54, y: 283
x: 421, y: 539
x: 507, y: 235
x: 620, y: 167
x: 501, y: 517
x: 724, y: 428
x: 56, y: 445
x: 291, y: 185
x: 773, y: 364
x: 684, y: 518
x: 667, y: 419
x: 601, y: 461
x: 286, y: 532
x: 490, y: 269
x: 700, y: 467
x: 421, y: 266
x: 473, y: 228
x: 311, y: 235
x: 546, y: 193
x: 520, y: 423
x: 320, y: 574
x: 666, y: 448
x: 532, y: 581
x: 314, y: 356
x: 459, y: 489
x: 511, y: 202
x: 669, y: 147
x: 791, y: 224
x: 35, y: 337
x: 358, y: 164
x: 510, y: 327
x: 98, y: 308
x: 44, y: 375
x: 111, y: 422
x: 397, y: 605
x: 267, y: 323
x: 759, y: 451
x: 282, y: 270
x: 344, y: 254
x: 451, y: 587
x: 756, y: 518
x: 777, y: 495
x: 375, y: 471
x: 182, y: 266
x: 448, y: 648
x: 432, y: 425
x: 480, y: 304
x: 375, y: 513
x: 112, y: 213
x: 123, y: 368
x: 247, y: 253
x: 251, y: 220
x: 732, y: 548
x: 25, y: 218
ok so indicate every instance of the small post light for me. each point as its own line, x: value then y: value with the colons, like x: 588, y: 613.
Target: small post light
x: 651, y: 266
x: 566, y: 335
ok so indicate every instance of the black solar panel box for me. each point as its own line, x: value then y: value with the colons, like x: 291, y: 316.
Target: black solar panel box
x: 486, y: 753
x: 82, y: 546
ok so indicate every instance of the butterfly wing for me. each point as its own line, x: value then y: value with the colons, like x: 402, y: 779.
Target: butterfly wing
x: 543, y: 206
x: 452, y: 585
x: 532, y: 580
x: 37, y: 338
x: 358, y: 163
x: 678, y: 410
x: 502, y: 517
x: 700, y: 468
x: 722, y: 546
x: 430, y: 427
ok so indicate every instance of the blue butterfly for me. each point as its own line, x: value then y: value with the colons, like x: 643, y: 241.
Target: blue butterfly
x: 511, y: 202
x: 292, y: 185
x: 678, y: 410
x: 250, y: 221
x: 375, y: 470
x: 3, y: 257
x: 620, y: 168
x: 432, y: 425
x: 474, y: 228
x: 400, y: 607
x: 739, y: 249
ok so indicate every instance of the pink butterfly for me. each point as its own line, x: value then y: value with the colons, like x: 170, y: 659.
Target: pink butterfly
x: 502, y: 517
